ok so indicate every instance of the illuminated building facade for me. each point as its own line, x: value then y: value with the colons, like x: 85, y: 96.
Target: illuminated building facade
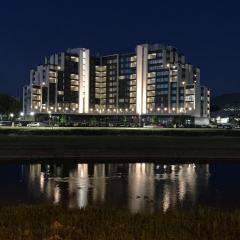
x: 60, y: 85
x: 153, y: 80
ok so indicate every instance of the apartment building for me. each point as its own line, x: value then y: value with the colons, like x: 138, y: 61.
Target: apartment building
x: 60, y: 85
x: 152, y: 80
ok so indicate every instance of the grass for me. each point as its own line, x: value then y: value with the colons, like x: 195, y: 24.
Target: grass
x: 121, y: 148
x: 118, y: 131
x: 119, y: 145
x: 57, y: 223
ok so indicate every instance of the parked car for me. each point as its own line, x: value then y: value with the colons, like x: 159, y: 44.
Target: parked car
x: 37, y: 124
x: 153, y: 126
x: 18, y: 124
x: 212, y: 125
x: 225, y: 126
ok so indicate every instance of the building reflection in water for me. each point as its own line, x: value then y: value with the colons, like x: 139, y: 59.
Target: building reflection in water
x: 78, y: 186
x: 140, y: 186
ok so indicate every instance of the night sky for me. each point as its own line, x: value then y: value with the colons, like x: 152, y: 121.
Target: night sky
x: 206, y: 32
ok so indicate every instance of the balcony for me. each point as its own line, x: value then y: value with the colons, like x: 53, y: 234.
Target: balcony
x: 74, y: 82
x: 74, y: 59
x: 52, y: 80
x: 152, y: 56
x: 74, y: 76
x: 74, y: 89
x: 151, y: 87
x: 133, y: 83
x: 133, y: 89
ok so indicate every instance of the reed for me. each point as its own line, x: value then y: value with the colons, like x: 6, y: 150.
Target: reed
x: 58, y: 223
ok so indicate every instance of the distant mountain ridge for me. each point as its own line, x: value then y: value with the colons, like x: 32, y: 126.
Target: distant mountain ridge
x: 224, y: 100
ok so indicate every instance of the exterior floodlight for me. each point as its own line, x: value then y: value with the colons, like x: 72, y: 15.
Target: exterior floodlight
x: 32, y: 113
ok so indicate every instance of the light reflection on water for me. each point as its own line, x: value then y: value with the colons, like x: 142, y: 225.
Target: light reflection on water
x: 137, y: 186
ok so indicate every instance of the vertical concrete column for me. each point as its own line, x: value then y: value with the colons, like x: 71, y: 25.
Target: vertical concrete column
x: 84, y: 80
x: 142, y: 73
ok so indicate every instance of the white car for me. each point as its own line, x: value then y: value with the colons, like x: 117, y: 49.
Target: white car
x: 33, y: 124
x: 37, y: 124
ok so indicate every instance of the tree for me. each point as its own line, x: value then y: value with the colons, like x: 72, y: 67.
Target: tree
x: 63, y: 120
x: 154, y: 120
x: 93, y: 121
x: 179, y: 120
x: 125, y: 120
x: 9, y: 104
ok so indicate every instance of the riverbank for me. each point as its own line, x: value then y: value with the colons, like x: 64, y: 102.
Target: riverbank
x: 101, y: 131
x: 119, y: 148
x: 57, y: 223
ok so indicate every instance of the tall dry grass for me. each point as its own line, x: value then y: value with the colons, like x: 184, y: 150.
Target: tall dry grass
x: 101, y: 223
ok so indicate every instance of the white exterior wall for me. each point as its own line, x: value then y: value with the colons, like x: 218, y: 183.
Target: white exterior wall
x: 84, y: 80
x: 197, y: 107
x: 142, y: 74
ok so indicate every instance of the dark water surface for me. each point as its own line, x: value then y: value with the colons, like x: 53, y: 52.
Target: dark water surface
x: 137, y: 186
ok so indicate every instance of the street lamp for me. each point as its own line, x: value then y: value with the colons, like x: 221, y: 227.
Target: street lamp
x: 11, y: 115
x: 32, y: 114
